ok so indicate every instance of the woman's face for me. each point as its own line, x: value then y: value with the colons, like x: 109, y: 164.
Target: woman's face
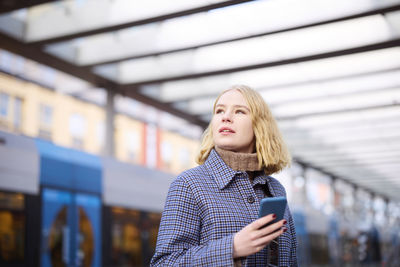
x: 231, y: 123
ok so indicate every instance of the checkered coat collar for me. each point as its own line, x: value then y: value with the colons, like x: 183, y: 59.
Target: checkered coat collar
x: 223, y: 174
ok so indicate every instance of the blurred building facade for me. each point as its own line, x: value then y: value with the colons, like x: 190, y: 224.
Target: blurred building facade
x: 31, y: 107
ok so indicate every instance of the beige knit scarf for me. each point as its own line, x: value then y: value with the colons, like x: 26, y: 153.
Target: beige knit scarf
x: 239, y: 161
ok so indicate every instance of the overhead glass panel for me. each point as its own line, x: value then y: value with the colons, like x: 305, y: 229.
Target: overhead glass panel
x: 384, y: 97
x: 316, y: 148
x: 365, y: 136
x: 291, y: 75
x: 341, y: 119
x: 67, y: 17
x: 372, y: 99
x: 190, y: 88
x: 256, y: 17
x: 201, y: 106
x: 271, y: 48
x: 299, y: 135
x: 14, y: 24
x: 332, y: 146
x: 316, y: 93
x: 333, y: 87
x: 334, y: 131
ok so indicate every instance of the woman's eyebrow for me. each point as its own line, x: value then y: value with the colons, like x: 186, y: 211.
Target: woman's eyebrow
x: 241, y: 106
x: 235, y: 106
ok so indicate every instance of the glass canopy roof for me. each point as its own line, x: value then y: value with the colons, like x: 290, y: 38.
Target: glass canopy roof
x: 330, y: 70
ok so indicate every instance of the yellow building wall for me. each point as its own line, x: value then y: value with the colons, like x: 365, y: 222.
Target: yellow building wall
x: 178, y: 144
x: 126, y: 129
x: 28, y: 93
x: 14, y: 88
x: 92, y: 114
x: 63, y: 107
x: 129, y: 133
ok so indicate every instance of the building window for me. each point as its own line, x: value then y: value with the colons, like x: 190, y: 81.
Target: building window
x: 77, y: 130
x: 151, y: 145
x: 46, y: 115
x: 101, y: 135
x: 166, y: 154
x: 17, y: 113
x: 132, y: 143
x: 45, y: 121
x: 184, y: 157
x: 4, y: 102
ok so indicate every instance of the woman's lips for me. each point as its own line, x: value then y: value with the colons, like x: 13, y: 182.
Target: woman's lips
x: 226, y: 130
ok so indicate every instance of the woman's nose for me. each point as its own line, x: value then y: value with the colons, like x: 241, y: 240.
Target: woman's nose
x: 227, y: 117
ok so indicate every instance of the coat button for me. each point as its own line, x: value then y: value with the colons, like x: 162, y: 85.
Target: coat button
x: 250, y: 199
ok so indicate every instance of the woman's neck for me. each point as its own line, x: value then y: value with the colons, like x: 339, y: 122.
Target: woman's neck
x: 239, y: 161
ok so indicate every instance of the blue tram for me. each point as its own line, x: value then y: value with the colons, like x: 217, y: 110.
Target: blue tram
x: 62, y: 207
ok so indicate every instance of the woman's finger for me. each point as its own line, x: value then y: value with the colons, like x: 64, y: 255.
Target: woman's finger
x: 268, y: 238
x: 271, y: 228
x: 257, y: 224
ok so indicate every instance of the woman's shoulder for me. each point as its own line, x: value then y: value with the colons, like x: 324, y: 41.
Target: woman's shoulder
x: 277, y: 186
x: 192, y: 175
x: 193, y: 181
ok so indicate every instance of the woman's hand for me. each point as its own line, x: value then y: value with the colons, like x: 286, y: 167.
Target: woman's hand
x: 254, y: 237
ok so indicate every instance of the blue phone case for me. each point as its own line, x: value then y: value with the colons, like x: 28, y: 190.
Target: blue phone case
x: 276, y: 205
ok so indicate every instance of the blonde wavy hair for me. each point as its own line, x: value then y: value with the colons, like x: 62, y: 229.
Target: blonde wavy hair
x: 272, y: 153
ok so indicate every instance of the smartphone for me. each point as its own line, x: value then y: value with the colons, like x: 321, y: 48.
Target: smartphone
x: 276, y: 205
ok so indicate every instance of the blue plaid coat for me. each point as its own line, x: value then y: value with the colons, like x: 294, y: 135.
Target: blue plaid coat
x: 205, y: 207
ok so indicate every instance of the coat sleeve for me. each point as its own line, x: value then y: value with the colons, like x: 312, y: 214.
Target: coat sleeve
x: 293, y: 250
x: 178, y: 241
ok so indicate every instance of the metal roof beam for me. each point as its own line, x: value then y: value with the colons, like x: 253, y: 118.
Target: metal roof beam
x: 294, y: 84
x: 35, y: 53
x: 83, y: 34
x: 284, y: 118
x: 11, y: 5
x: 366, y: 48
x: 141, y: 22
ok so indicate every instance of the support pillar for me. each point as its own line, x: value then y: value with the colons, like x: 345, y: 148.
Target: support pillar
x: 109, y: 147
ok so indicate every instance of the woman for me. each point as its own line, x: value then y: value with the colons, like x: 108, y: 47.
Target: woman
x: 211, y: 212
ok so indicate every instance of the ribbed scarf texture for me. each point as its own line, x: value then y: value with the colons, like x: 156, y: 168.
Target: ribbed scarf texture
x: 239, y: 161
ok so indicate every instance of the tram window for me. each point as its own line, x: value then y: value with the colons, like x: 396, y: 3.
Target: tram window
x: 133, y: 236
x: 56, y: 238
x: 12, y: 228
x: 149, y: 229
x: 86, y: 247
x: 126, y: 249
x: 14, y: 201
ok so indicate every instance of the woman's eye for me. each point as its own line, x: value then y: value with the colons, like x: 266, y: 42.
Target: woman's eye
x: 239, y: 111
x: 219, y: 111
